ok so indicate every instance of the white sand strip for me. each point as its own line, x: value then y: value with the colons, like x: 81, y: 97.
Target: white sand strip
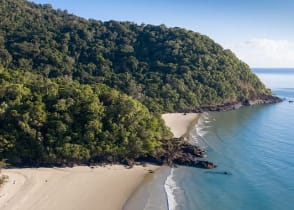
x: 180, y: 123
x: 103, y: 188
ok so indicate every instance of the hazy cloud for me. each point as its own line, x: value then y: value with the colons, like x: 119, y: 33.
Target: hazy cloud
x: 266, y: 52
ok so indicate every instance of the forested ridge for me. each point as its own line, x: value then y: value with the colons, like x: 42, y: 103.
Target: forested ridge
x: 77, y: 90
x: 62, y: 121
x: 167, y: 69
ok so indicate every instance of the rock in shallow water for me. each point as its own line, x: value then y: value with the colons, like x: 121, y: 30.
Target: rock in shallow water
x: 205, y: 164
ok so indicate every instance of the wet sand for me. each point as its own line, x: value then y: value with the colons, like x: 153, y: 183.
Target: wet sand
x: 180, y: 123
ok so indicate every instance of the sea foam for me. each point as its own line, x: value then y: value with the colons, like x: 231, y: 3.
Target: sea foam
x: 200, y: 130
x: 170, y: 187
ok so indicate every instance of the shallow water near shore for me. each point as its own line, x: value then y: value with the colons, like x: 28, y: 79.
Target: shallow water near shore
x: 151, y: 194
x: 254, y: 145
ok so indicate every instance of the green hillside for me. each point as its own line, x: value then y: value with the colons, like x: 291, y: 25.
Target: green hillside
x: 77, y: 91
x: 62, y: 121
x: 167, y: 69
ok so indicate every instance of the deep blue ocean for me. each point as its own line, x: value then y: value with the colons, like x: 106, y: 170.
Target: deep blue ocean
x: 255, y: 145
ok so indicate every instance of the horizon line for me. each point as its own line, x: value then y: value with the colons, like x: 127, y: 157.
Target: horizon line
x: 272, y: 67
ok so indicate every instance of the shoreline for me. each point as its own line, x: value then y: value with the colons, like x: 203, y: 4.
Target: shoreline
x: 191, y: 126
x: 151, y: 194
x: 158, y: 191
x: 170, y: 185
x: 80, y: 187
x: 110, y: 187
x: 181, y: 124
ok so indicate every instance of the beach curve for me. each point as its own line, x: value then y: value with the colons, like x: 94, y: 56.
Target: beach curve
x: 75, y: 188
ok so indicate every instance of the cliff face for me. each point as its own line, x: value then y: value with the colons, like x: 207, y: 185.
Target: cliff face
x: 167, y: 69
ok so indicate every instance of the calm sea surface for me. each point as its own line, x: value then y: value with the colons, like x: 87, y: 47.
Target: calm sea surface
x: 255, y: 145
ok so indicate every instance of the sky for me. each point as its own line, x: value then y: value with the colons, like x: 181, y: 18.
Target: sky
x: 259, y: 32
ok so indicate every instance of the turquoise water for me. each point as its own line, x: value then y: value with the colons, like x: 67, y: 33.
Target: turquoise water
x: 255, y: 144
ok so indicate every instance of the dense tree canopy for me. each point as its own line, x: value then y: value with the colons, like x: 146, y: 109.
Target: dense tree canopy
x: 77, y: 90
x: 62, y: 121
x: 167, y: 69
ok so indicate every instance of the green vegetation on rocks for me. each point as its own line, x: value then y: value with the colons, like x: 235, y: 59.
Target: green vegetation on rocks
x: 44, y: 121
x: 167, y: 69
x: 77, y: 91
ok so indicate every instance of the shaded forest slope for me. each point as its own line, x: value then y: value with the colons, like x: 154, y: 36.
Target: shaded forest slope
x: 167, y: 69
x: 60, y: 121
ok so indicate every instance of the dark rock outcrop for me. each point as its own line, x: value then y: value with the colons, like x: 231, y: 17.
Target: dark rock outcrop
x: 263, y: 99
x: 177, y: 151
x: 205, y: 164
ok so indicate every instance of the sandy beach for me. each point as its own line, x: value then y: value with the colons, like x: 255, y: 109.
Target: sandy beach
x: 180, y: 123
x: 81, y: 187
x: 153, y: 193
x: 103, y: 188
